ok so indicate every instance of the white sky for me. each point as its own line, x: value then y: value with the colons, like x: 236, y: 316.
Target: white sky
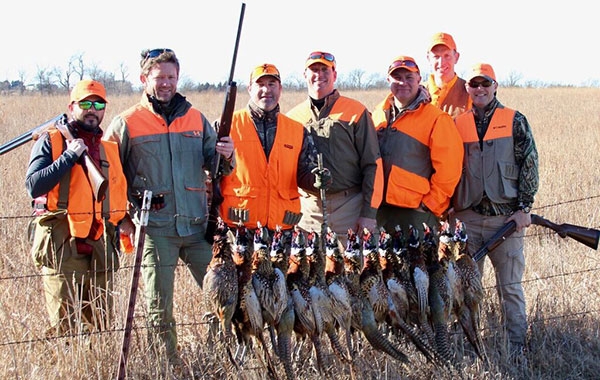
x: 543, y: 42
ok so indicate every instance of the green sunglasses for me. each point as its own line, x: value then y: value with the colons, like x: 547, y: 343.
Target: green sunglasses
x: 87, y: 104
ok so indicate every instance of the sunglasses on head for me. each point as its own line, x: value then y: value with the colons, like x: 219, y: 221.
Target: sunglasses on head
x: 403, y: 63
x: 485, y: 83
x: 319, y: 55
x: 87, y: 104
x: 156, y: 52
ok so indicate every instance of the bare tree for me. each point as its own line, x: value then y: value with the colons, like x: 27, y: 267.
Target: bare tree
x: 43, y: 77
x: 513, y: 79
x: 354, y: 79
x: 124, y: 71
x: 78, y: 65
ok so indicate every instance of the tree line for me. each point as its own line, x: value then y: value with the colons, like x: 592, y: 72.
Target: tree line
x: 56, y: 80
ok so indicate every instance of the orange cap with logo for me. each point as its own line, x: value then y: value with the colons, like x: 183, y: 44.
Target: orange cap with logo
x: 482, y: 70
x: 87, y: 87
x: 263, y: 70
x: 442, y: 39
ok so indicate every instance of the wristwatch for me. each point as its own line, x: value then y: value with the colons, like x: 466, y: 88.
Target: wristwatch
x: 526, y: 208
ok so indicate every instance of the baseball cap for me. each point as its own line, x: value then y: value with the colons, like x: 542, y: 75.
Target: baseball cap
x: 263, y: 70
x: 482, y: 70
x: 403, y: 62
x: 320, y: 57
x: 87, y: 87
x: 442, y: 39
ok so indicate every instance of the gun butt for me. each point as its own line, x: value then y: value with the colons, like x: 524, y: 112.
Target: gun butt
x: 587, y: 236
x: 97, y: 180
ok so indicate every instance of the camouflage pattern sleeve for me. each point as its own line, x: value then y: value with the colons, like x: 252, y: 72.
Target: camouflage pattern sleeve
x: 526, y: 156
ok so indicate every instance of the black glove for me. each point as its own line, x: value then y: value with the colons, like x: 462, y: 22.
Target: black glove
x: 322, y: 178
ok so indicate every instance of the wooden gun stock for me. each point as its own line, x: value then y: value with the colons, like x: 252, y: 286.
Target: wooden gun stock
x: 587, y: 236
x: 584, y: 235
x: 95, y: 176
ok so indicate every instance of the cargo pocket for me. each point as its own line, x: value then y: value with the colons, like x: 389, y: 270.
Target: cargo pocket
x: 51, y: 239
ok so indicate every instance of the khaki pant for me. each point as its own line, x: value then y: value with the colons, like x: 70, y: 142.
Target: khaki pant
x: 508, y: 261
x: 77, y: 295
x: 161, y: 256
x: 343, y: 211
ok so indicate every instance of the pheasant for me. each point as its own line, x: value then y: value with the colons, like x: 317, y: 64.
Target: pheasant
x: 472, y: 289
x: 390, y: 268
x: 220, y: 284
x: 420, y: 282
x: 397, y: 300
x: 335, y: 314
x: 268, y: 282
x: 307, y: 322
x: 247, y: 319
x: 337, y: 284
x: 281, y: 335
x: 441, y: 295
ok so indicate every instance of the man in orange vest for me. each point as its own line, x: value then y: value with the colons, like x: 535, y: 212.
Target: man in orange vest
x: 446, y: 88
x: 498, y: 185
x: 74, y: 239
x: 421, y: 150
x: 274, y: 155
x: 342, y: 130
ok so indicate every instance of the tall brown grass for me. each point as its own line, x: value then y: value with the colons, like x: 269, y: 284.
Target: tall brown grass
x: 561, y: 281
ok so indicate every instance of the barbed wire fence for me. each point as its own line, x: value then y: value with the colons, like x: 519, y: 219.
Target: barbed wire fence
x: 142, y: 326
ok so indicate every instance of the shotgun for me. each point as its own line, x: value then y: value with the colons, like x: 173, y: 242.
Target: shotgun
x: 140, y: 237
x: 97, y: 180
x: 223, y: 129
x: 33, y: 134
x: 584, y: 235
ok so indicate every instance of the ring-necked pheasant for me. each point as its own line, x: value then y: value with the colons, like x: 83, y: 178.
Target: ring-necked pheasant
x: 220, y: 284
x: 268, y: 281
x: 247, y: 319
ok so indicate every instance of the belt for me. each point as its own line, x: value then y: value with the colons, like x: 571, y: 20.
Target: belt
x: 344, y: 193
x: 337, y: 194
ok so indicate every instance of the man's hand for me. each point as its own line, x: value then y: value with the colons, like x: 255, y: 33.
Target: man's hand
x: 521, y: 219
x: 225, y: 147
x: 368, y: 223
x: 322, y: 178
x: 76, y: 146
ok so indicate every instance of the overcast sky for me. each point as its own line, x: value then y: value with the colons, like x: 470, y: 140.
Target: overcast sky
x: 546, y: 43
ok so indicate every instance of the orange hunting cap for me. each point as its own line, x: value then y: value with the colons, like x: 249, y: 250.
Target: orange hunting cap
x: 442, y: 39
x: 320, y: 57
x: 87, y: 87
x: 403, y: 62
x: 482, y: 70
x: 263, y: 70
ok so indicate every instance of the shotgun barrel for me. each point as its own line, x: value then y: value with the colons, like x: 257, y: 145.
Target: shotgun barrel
x: 33, y: 134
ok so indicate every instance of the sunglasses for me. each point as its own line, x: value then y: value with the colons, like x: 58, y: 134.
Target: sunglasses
x: 403, y: 63
x: 87, y: 104
x: 319, y: 55
x: 486, y: 83
x: 156, y: 52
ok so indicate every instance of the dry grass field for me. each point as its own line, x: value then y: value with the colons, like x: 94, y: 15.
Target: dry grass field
x: 562, y: 282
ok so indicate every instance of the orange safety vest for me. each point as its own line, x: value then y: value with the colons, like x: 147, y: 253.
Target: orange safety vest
x: 266, y: 189
x: 493, y: 170
x: 81, y: 207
